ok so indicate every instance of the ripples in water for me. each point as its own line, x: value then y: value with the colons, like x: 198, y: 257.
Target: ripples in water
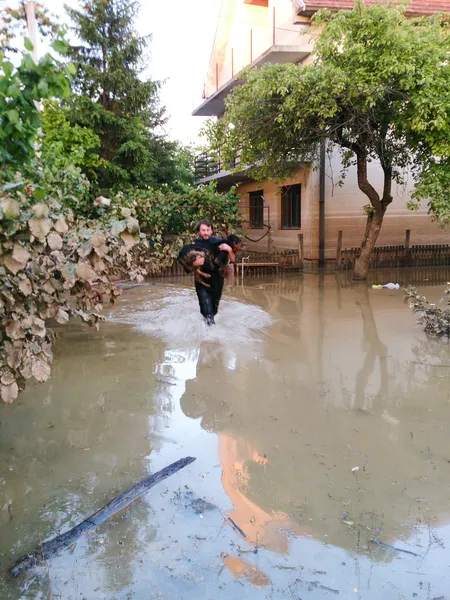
x: 173, y: 316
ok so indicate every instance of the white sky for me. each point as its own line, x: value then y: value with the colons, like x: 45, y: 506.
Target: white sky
x: 182, y: 38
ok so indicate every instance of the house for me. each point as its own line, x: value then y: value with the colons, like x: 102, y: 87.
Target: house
x: 256, y: 32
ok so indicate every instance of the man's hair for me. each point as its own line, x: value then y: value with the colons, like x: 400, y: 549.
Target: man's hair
x: 204, y: 222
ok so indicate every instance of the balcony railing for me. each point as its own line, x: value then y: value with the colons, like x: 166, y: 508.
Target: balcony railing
x: 210, y: 164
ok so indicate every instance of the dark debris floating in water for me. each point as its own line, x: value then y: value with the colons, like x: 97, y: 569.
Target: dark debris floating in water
x: 53, y: 547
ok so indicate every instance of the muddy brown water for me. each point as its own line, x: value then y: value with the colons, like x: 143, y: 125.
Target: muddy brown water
x: 319, y: 414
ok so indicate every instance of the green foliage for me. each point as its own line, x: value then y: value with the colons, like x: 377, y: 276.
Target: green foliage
x: 377, y: 88
x: 79, y: 145
x: 182, y: 173
x: 114, y: 100
x: 49, y: 263
x: 63, y: 181
x: 436, y: 320
x: 433, y: 187
x: 21, y: 88
x: 163, y: 212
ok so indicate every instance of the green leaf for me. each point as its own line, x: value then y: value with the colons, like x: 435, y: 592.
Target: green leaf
x: 43, y: 89
x: 40, y: 193
x: 72, y: 69
x: 60, y: 46
x: 13, y: 116
x: 28, y: 45
x: 13, y: 91
x: 36, y: 120
x: 8, y: 68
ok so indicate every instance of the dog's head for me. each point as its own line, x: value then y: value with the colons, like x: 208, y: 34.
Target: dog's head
x: 235, y: 242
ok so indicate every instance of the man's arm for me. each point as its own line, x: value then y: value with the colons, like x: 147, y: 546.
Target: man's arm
x: 226, y: 248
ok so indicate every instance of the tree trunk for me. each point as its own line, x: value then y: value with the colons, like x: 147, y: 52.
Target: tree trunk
x: 362, y: 264
x: 375, y: 216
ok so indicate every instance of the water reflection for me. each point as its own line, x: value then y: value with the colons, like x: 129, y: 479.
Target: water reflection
x: 326, y: 434
x: 319, y: 417
x: 69, y: 446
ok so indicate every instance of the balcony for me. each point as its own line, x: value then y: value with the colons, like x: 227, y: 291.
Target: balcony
x: 415, y: 8
x: 214, y: 105
x: 209, y: 167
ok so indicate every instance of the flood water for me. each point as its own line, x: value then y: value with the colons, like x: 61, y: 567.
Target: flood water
x: 319, y: 415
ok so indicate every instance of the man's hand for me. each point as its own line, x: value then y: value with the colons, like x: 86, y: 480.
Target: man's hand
x: 228, y: 249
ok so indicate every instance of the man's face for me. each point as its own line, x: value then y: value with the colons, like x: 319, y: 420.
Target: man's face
x: 205, y: 232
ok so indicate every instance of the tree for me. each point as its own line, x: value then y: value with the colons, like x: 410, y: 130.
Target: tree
x: 377, y: 89
x: 23, y: 84
x: 112, y: 98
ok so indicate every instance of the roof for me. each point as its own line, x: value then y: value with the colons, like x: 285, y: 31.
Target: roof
x: 416, y: 7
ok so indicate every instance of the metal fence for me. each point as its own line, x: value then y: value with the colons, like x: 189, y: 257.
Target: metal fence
x: 209, y: 164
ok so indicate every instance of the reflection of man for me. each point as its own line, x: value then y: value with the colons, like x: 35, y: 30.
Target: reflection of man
x: 210, y: 397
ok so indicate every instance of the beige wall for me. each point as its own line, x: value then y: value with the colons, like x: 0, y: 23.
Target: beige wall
x: 236, y: 21
x: 343, y: 211
x: 285, y: 239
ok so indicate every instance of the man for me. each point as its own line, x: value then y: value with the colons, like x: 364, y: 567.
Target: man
x: 207, y: 257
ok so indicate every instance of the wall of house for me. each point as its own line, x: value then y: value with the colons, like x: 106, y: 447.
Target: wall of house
x: 234, y: 45
x: 281, y: 238
x: 343, y: 211
x: 244, y: 32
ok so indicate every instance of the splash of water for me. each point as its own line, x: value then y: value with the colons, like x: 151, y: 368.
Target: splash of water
x: 173, y: 316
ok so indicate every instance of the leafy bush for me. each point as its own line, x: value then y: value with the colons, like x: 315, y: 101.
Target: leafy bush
x: 49, y: 265
x: 436, y: 321
x: 80, y: 146
x: 164, y: 212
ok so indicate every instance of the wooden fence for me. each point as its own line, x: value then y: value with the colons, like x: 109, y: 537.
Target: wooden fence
x: 404, y: 255
x: 400, y: 256
x: 287, y: 260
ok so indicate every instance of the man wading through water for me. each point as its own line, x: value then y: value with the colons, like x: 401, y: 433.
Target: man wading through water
x: 207, y: 257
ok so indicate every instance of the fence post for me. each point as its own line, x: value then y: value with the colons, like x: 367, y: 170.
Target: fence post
x: 407, y: 245
x: 339, y: 250
x: 300, y: 248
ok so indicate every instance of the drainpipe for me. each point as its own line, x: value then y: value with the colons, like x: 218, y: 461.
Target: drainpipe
x: 322, y: 205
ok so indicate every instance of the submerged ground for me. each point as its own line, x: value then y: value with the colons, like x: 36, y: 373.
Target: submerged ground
x: 319, y: 414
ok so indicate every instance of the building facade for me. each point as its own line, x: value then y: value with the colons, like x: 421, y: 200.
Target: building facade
x: 256, y: 32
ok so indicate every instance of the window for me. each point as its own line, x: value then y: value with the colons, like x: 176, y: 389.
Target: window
x: 290, y: 207
x: 256, y: 210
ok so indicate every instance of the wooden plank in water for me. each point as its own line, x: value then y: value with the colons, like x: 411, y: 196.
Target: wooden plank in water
x: 48, y: 550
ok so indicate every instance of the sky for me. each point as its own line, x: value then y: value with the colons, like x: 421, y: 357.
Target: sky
x: 182, y: 38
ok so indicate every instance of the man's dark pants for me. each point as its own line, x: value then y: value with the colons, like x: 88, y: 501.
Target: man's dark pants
x: 209, y: 297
